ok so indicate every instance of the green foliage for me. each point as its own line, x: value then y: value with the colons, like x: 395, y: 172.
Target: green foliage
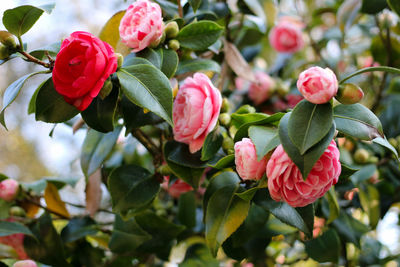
x: 9, y: 228
x: 325, y: 248
x: 199, y: 35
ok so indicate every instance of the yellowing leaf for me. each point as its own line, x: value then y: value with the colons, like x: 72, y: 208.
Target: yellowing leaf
x: 53, y: 200
x: 110, y: 31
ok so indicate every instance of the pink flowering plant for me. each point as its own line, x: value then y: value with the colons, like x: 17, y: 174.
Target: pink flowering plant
x: 221, y: 132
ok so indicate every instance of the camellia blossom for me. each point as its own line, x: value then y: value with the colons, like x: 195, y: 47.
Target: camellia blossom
x: 287, y: 36
x: 25, y: 263
x: 285, y: 182
x: 177, y: 188
x: 82, y: 66
x: 247, y: 165
x: 16, y: 241
x: 141, y: 25
x: 9, y: 189
x: 318, y: 85
x: 260, y: 90
x: 196, y: 109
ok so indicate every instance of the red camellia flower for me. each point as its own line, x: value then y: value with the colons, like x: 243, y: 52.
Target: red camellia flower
x: 82, y: 66
x: 16, y: 241
x: 285, y: 182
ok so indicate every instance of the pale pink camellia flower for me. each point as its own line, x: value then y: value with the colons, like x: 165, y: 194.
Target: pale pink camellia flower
x: 16, y: 241
x: 247, y: 165
x: 141, y: 25
x: 285, y: 182
x: 25, y: 263
x: 9, y: 189
x: 260, y: 90
x: 318, y: 85
x: 196, y: 109
x: 177, y: 188
x: 287, y: 36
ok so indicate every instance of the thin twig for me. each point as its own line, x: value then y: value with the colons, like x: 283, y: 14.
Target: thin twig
x: 180, y: 10
x: 83, y: 207
x: 35, y: 60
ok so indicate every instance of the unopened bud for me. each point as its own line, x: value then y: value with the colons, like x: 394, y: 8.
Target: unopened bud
x: 17, y: 211
x: 9, y: 189
x: 174, y: 44
x: 225, y: 119
x: 120, y: 59
x: 225, y: 107
x: 172, y: 29
x: 361, y: 155
x: 349, y: 94
x: 4, y: 52
x: 155, y: 43
x: 227, y: 145
x: 246, y: 109
x: 8, y: 40
x: 164, y: 170
x: 107, y: 88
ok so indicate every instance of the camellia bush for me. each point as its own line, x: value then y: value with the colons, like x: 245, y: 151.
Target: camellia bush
x: 238, y: 133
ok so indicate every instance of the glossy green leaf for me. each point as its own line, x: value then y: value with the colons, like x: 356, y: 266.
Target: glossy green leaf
x: 187, y: 209
x: 78, y: 228
x: 20, y: 19
x: 309, y: 123
x: 364, y: 173
x: 225, y: 213
x: 169, y: 61
x: 358, y: 121
x: 334, y: 208
x: 32, y: 102
x: 301, y: 218
x: 223, y: 162
x: 211, y: 145
x: 370, y: 69
x: 325, y: 248
x: 304, y: 162
x: 199, y: 255
x: 198, y: 64
x: 96, y: 148
x: 370, y: 202
x: 12, y: 91
x: 199, y: 35
x: 264, y: 138
x: 152, y: 56
x: 385, y: 143
x: 135, y: 117
x: 127, y: 236
x: 10, y: 228
x: 394, y: 5
x: 132, y: 187
x: 195, y: 4
x: 249, y: 194
x: 100, y: 114
x: 181, y: 155
x: 51, y: 107
x: 149, y: 88
x: 346, y: 172
x: 350, y: 229
x: 52, y: 49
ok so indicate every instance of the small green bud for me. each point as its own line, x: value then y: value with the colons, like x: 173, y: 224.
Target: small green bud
x: 4, y: 52
x: 157, y: 42
x: 8, y: 40
x: 172, y: 29
x: 246, y: 109
x: 361, y: 155
x: 349, y: 93
x: 282, y: 88
x: 107, y: 88
x: 164, y: 170
x: 120, y: 59
x: 174, y: 44
x: 225, y: 119
x: 17, y: 211
x: 225, y: 107
x: 228, y: 145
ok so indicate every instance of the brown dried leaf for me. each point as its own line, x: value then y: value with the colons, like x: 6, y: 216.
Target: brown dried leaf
x: 237, y: 63
x: 93, y: 193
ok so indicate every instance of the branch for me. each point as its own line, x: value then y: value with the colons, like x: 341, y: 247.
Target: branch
x: 37, y: 61
x: 180, y: 10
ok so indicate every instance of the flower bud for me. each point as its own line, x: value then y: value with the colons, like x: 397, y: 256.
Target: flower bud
x: 349, y: 93
x: 225, y: 119
x: 174, y: 44
x: 4, y: 53
x: 349, y: 195
x: 120, y: 59
x: 361, y: 155
x: 25, y: 263
x: 164, y: 170
x: 107, y: 88
x: 228, y: 145
x: 172, y: 29
x: 9, y: 189
x: 225, y: 107
x: 8, y: 40
x: 17, y: 211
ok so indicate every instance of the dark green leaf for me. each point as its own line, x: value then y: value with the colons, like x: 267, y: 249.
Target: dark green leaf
x: 199, y: 35
x: 223, y: 162
x: 264, y: 138
x: 78, y: 228
x: 152, y: 56
x: 357, y: 121
x: 309, y: 123
x: 132, y: 187
x: 349, y: 228
x: 333, y: 204
x: 325, y: 248
x: 101, y: 113
x: 169, y: 59
x: 394, y: 5
x: 10, y: 228
x: 135, y: 117
x: 187, y: 209
x: 127, y: 236
x: 149, y: 88
x: 181, y: 155
x: 169, y: 8
x: 211, y: 145
x: 364, y: 173
x: 52, y: 49
x: 195, y: 4
x: 346, y: 172
x: 32, y: 102
x: 199, y: 255
x: 369, y: 199
x: 131, y: 59
x: 51, y: 106
x: 198, y: 64
x: 384, y: 142
x: 20, y: 19
x: 96, y: 148
x: 373, y: 6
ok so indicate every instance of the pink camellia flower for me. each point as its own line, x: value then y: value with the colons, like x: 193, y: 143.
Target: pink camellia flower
x: 196, y: 110
x: 25, y: 263
x: 9, y: 189
x: 293, y: 99
x: 285, y: 182
x: 177, y: 188
x: 141, y: 25
x: 286, y: 36
x: 260, y: 90
x: 82, y: 66
x: 16, y: 241
x: 318, y: 85
x: 247, y: 165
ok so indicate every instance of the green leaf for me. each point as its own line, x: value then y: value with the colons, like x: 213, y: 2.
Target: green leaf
x: 32, y: 102
x: 385, y: 143
x: 225, y: 213
x: 195, y: 4
x: 181, y: 155
x: 309, y: 123
x: 132, y: 187
x: 187, y: 209
x: 78, y: 228
x: 334, y: 208
x: 198, y: 64
x: 199, y: 35
x: 264, y: 138
x: 52, y: 49
x: 346, y: 172
x: 370, y: 69
x: 40, y: 185
x: 96, y: 148
x: 51, y: 106
x: 149, y: 88
x: 350, y: 229
x: 373, y: 7
x: 223, y: 162
x: 302, y: 219
x: 10, y: 228
x: 135, y: 117
x: 20, y: 19
x: 127, y: 236
x: 198, y: 255
x: 211, y: 145
x: 169, y: 59
x: 394, y: 5
x: 249, y: 194
x: 325, y: 248
x: 364, y: 173
x: 101, y: 113
x: 304, y: 162
x: 369, y: 199
x: 152, y: 56
x: 12, y: 91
